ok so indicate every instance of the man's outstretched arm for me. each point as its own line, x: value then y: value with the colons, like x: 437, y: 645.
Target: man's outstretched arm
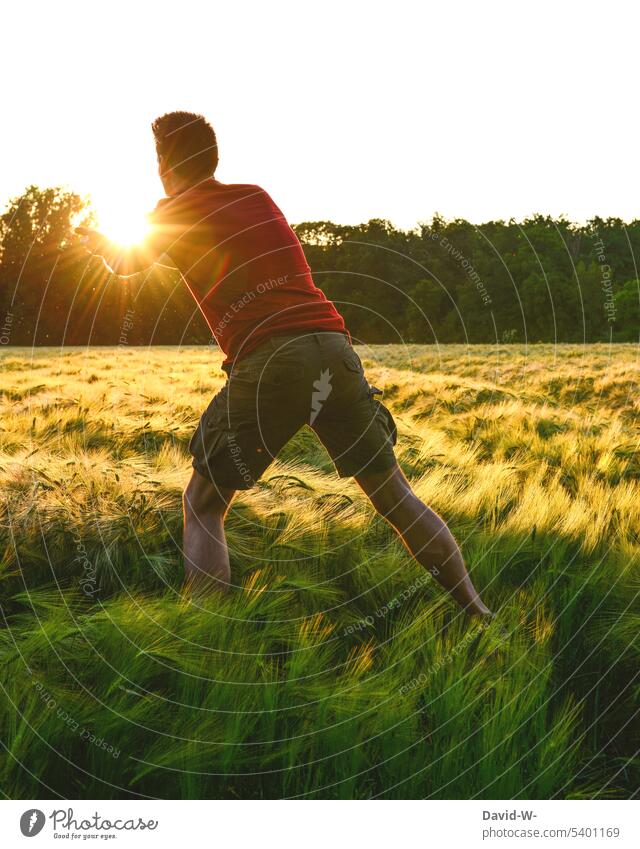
x: 125, y: 261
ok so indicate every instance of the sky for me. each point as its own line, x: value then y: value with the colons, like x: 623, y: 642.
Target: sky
x: 342, y: 110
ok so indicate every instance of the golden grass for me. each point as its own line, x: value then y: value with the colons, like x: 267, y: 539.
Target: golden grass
x: 533, y: 456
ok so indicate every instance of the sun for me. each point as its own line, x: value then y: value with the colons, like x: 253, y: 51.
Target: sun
x: 124, y: 226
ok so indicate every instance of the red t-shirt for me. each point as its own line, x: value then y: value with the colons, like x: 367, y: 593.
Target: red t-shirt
x: 243, y: 264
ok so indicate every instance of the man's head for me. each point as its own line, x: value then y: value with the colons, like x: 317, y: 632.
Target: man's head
x: 187, y: 150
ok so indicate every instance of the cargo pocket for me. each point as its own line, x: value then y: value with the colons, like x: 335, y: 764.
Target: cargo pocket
x: 384, y: 416
x: 388, y: 423
x: 211, y: 433
x: 351, y: 361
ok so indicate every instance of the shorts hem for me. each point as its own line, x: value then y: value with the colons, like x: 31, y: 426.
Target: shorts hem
x: 203, y: 469
x: 372, y: 468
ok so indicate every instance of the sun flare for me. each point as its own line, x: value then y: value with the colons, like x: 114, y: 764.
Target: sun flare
x: 126, y: 227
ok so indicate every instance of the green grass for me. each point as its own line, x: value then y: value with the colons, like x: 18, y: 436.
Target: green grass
x: 335, y: 668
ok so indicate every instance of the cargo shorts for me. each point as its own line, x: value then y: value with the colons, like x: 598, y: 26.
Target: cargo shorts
x: 308, y: 378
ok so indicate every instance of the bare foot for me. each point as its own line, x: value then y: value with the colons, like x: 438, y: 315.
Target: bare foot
x: 478, y: 609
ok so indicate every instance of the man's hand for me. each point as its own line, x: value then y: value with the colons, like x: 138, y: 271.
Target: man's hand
x: 119, y: 260
x: 92, y: 241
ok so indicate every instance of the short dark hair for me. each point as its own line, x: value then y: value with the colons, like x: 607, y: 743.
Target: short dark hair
x: 187, y: 143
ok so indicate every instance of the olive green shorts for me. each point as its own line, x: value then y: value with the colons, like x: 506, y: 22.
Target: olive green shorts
x: 311, y: 378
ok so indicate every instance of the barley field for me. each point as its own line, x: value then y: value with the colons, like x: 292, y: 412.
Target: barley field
x: 335, y: 668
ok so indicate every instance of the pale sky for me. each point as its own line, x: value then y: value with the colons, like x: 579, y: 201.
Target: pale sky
x: 341, y: 110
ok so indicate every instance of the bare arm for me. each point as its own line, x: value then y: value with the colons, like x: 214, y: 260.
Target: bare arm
x: 125, y: 262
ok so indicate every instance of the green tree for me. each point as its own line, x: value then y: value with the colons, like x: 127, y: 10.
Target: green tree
x: 627, y: 312
x: 36, y: 236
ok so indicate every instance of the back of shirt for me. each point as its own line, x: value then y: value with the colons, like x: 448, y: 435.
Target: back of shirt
x: 243, y: 264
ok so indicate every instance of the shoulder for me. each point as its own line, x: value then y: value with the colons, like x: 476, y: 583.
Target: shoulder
x: 216, y: 185
x: 248, y: 197
x: 214, y: 196
x: 173, y: 210
x: 162, y: 209
x: 257, y: 194
x: 241, y: 189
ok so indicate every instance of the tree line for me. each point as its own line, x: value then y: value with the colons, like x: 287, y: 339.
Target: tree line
x: 543, y: 279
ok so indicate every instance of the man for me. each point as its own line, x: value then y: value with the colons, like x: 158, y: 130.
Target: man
x: 288, y: 358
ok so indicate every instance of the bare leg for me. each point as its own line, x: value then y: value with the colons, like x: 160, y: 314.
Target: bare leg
x: 424, y: 533
x: 206, y: 557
